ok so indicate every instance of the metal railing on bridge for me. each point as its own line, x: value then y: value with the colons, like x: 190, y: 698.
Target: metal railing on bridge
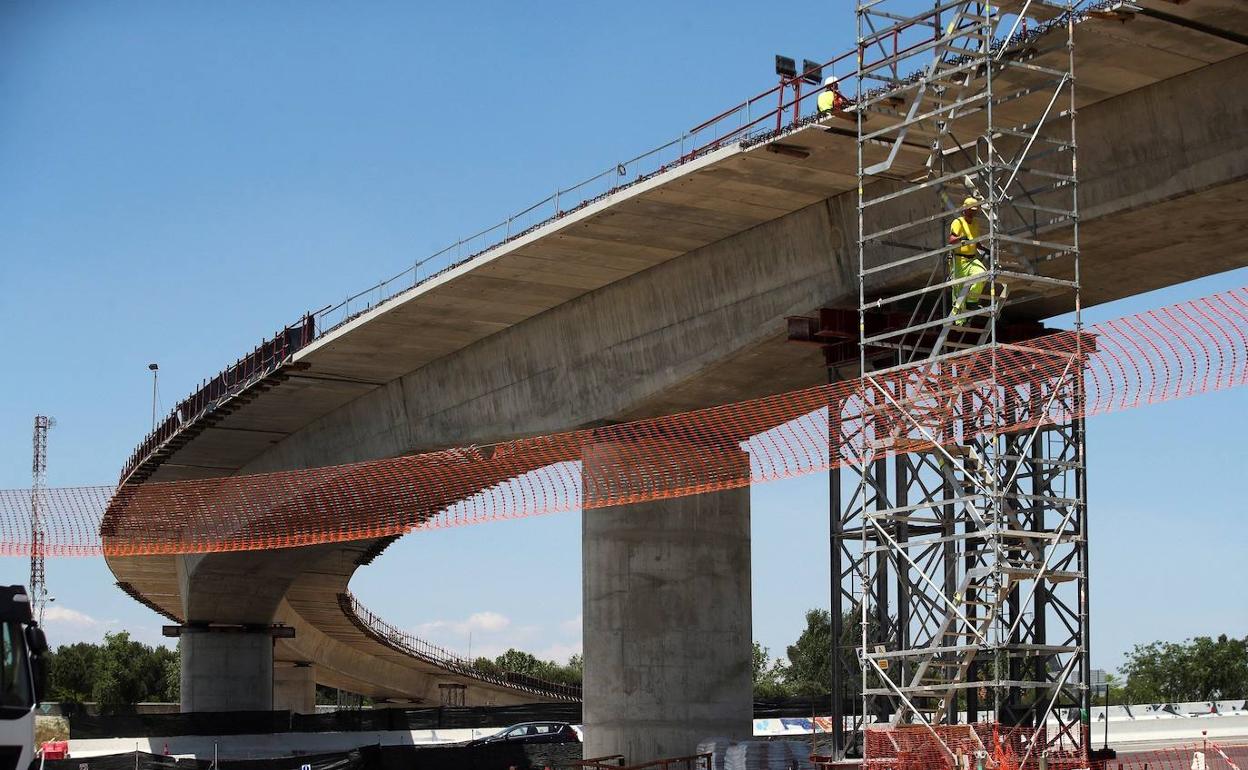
x: 776, y: 110
x: 780, y: 109
x: 235, y: 378
x: 408, y: 643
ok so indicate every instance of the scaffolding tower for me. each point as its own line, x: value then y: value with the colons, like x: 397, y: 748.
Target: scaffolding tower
x: 960, y: 552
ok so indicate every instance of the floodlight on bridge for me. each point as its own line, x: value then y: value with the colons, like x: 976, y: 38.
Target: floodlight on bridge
x: 812, y: 72
x: 786, y: 67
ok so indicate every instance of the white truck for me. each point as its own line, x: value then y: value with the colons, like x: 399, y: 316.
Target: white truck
x: 23, y: 677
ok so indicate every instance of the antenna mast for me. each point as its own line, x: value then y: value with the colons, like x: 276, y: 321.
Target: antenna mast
x: 38, y: 501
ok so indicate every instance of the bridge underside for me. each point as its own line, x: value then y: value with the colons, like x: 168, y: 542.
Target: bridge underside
x: 672, y: 295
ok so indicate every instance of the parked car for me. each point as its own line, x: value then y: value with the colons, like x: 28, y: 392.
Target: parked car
x: 532, y: 732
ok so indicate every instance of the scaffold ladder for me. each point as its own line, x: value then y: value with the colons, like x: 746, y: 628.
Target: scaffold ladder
x: 960, y: 547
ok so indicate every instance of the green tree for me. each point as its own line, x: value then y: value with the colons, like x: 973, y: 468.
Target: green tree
x: 809, y: 671
x: 1197, y: 669
x: 518, y: 662
x: 170, y: 689
x: 768, y: 674
x: 1219, y: 667
x: 526, y: 664
x: 72, y: 672
x: 127, y: 672
x: 1153, y: 672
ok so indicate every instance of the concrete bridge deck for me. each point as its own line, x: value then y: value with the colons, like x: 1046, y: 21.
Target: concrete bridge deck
x: 671, y: 294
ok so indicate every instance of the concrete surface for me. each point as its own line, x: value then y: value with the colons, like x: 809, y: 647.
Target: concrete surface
x: 672, y: 295
x: 628, y: 329
x: 294, y: 688
x: 1125, y: 735
x: 1135, y: 734
x: 227, y: 671
x: 261, y: 746
x: 667, y: 629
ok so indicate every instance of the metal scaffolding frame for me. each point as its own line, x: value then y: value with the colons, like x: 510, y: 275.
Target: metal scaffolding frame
x: 960, y: 551
x: 38, y: 507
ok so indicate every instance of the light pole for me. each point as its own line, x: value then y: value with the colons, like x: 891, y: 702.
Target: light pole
x: 154, y: 369
x: 1100, y: 686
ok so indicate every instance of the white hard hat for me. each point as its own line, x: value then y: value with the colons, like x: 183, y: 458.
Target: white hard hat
x: 831, y: 81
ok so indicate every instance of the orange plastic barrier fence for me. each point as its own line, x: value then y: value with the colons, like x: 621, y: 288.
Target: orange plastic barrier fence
x: 964, y: 746
x: 1179, y: 351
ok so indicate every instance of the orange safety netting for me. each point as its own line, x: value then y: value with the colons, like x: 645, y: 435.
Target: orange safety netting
x: 993, y: 746
x: 1179, y: 351
x: 986, y: 745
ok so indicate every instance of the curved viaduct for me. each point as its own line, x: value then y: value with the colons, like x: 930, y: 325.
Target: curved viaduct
x: 667, y: 295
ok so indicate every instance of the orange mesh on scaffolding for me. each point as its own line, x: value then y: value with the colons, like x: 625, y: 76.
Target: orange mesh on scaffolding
x: 965, y: 746
x: 1175, y: 352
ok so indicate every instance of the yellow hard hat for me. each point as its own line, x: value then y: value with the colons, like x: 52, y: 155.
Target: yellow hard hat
x: 970, y: 203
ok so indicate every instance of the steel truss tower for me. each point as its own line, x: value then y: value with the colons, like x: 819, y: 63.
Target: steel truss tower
x: 960, y: 549
x: 38, y: 503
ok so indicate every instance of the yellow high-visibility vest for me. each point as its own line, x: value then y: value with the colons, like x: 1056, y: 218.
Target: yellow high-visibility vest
x: 969, y: 229
x: 828, y: 101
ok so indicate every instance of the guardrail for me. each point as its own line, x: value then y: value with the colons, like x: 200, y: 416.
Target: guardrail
x: 387, y: 634
x: 260, y: 363
x: 774, y: 110
x: 781, y: 108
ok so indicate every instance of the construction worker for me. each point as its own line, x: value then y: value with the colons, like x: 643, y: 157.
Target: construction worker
x: 831, y: 99
x: 965, y: 259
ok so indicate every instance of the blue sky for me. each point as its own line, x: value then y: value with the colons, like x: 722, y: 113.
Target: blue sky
x: 179, y: 180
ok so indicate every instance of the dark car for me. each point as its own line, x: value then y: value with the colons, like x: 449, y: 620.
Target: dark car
x: 532, y: 732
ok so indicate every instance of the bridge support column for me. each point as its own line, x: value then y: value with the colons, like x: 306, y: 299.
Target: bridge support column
x: 227, y: 670
x: 294, y: 688
x: 667, y: 623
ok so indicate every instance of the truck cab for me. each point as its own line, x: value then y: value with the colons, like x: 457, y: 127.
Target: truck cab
x: 23, y: 677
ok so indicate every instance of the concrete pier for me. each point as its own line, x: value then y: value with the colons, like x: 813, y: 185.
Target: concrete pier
x: 671, y: 294
x: 294, y: 688
x: 667, y: 623
x: 227, y: 671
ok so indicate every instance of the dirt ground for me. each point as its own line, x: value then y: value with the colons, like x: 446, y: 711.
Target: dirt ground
x: 50, y: 729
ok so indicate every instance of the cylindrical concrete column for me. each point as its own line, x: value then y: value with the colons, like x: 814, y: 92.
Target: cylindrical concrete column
x: 294, y: 688
x: 226, y: 670
x: 667, y: 627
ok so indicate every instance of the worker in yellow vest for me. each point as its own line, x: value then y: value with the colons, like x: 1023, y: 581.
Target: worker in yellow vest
x: 831, y: 100
x: 966, y: 262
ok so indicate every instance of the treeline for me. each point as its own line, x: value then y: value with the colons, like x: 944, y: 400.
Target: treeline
x: 117, y: 673
x: 807, y: 667
x: 1198, y: 669
x: 121, y: 672
x: 517, y: 662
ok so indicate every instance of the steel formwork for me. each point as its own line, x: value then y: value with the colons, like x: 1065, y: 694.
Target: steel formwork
x: 959, y: 552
